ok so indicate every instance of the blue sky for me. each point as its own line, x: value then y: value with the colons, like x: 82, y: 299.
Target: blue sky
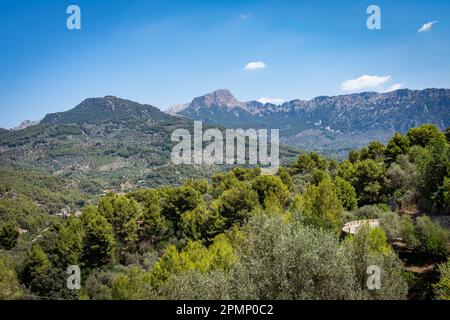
x: 167, y: 52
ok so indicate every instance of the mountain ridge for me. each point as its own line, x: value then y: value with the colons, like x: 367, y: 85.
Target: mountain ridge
x: 365, y: 96
x: 106, y: 144
x: 330, y: 124
x: 100, y: 109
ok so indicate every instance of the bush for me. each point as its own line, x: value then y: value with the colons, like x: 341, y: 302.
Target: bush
x: 433, y: 239
x: 195, y: 256
x: 9, y: 283
x: 52, y: 284
x: 98, y: 285
x: 132, y: 284
x: 368, y: 212
x: 195, y: 285
x: 442, y: 288
x: 408, y: 232
x: 8, y: 236
x: 280, y: 260
x: 369, y: 248
x: 391, y: 223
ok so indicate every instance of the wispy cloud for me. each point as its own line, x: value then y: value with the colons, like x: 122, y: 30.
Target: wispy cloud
x: 255, y: 65
x: 365, y: 82
x: 265, y: 100
x: 244, y: 16
x: 427, y: 26
x: 395, y: 87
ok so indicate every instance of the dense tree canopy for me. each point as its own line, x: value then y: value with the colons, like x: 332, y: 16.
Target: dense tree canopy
x: 123, y: 214
x: 246, y: 234
x: 235, y: 204
x: 424, y: 135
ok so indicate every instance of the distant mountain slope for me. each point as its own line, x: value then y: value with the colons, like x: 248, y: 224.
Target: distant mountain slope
x: 106, y: 144
x: 109, y: 108
x: 102, y: 144
x: 27, y: 196
x: 177, y: 108
x: 332, y: 125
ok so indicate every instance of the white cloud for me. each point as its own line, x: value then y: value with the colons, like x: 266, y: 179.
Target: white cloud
x: 427, y: 26
x: 395, y: 87
x: 255, y: 65
x: 265, y: 100
x: 244, y: 16
x: 364, y: 82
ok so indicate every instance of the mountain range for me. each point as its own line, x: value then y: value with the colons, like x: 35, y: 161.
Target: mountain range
x: 110, y: 143
x: 102, y: 144
x: 105, y: 144
x: 332, y: 125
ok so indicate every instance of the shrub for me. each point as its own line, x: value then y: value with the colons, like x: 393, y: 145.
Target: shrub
x: 9, y: 283
x: 8, y: 236
x: 133, y: 283
x: 391, y: 223
x: 280, y: 260
x: 442, y: 288
x: 408, y: 232
x: 195, y: 285
x: 433, y: 239
x: 369, y: 248
x: 368, y: 212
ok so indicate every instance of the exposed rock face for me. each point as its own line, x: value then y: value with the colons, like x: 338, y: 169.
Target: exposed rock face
x: 218, y: 98
x: 328, y: 124
x: 26, y: 124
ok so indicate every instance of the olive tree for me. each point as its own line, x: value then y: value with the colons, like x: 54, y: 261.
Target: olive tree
x: 281, y: 260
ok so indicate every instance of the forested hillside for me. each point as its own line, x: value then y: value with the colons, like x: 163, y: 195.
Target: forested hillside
x: 106, y: 144
x: 244, y: 235
x: 98, y: 155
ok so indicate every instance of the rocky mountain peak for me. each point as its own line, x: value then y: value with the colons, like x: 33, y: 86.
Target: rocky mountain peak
x: 218, y: 98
